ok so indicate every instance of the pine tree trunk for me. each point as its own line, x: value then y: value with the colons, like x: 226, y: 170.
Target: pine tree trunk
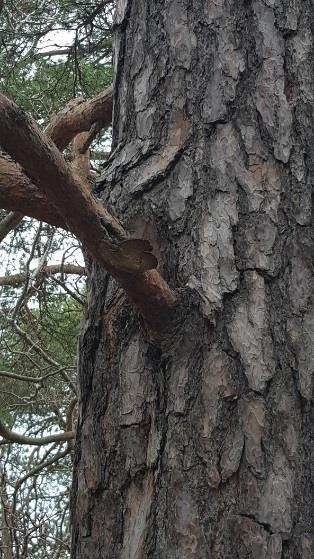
x: 195, y: 442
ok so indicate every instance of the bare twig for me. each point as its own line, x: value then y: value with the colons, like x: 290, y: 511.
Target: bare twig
x: 27, y: 279
x: 69, y: 291
x: 40, y: 467
x: 24, y: 336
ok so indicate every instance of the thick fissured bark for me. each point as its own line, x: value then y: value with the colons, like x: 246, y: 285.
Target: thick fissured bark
x: 197, y: 443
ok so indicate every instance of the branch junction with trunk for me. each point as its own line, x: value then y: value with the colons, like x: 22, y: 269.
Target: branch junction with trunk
x: 36, y: 180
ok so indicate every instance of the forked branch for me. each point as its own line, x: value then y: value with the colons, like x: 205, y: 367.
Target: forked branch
x: 78, y: 116
x: 130, y: 261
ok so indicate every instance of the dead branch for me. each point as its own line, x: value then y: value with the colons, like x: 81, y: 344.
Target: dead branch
x: 69, y: 291
x: 13, y: 437
x: 55, y: 52
x: 17, y: 279
x: 29, y: 379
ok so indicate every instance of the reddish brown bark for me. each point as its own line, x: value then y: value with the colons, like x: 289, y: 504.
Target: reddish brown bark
x: 81, y: 156
x: 79, y: 116
x: 19, y: 194
x: 70, y: 197
x: 46, y: 167
x: 76, y: 117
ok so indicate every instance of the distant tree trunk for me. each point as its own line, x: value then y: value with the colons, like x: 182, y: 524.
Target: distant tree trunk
x: 6, y: 524
x: 195, y: 442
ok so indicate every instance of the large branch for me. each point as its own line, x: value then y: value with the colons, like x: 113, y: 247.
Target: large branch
x: 17, y: 192
x: 78, y: 116
x: 49, y: 172
x: 131, y: 261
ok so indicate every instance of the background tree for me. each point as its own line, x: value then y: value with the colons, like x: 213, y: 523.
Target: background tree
x: 41, y: 282
x: 193, y: 431
x: 39, y: 320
